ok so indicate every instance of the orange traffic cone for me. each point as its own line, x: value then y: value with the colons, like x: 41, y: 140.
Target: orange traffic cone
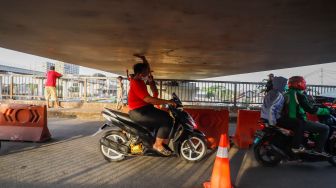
x: 220, y: 177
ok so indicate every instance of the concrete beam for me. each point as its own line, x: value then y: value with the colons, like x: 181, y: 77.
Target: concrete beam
x: 183, y: 39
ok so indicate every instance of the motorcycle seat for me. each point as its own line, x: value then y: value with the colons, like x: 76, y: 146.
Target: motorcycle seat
x: 285, y: 131
x: 121, y: 115
x: 125, y: 118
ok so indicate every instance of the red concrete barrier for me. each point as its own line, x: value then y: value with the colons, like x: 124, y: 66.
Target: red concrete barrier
x: 22, y: 122
x: 212, y: 123
x: 247, y: 124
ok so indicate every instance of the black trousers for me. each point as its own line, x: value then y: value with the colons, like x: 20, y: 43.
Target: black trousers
x: 153, y: 118
x: 320, y: 128
x: 297, y: 126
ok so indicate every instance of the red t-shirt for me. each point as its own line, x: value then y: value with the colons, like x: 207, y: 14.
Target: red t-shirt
x: 51, y: 78
x: 137, y: 92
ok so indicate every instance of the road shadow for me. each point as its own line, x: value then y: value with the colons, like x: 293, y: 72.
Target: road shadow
x: 288, y: 174
x: 61, y: 130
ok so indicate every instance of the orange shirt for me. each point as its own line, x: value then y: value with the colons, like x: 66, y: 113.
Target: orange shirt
x: 51, y: 78
x: 137, y: 92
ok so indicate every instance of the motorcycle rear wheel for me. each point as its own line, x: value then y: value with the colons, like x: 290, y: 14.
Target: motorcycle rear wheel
x: 193, y: 149
x: 109, y: 154
x: 265, y: 155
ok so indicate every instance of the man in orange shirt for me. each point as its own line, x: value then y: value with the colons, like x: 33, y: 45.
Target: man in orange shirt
x: 142, y: 110
x: 50, y: 86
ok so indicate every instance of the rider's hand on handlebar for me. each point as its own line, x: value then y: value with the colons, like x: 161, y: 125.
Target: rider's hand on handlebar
x: 332, y: 110
x: 172, y: 103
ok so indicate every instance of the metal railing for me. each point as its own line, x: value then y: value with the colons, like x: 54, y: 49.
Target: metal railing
x: 104, y: 89
x: 214, y: 93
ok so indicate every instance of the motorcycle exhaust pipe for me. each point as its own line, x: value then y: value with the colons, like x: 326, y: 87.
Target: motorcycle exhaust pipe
x: 121, y: 148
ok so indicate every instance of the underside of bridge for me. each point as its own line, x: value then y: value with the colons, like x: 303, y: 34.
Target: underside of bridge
x: 185, y: 39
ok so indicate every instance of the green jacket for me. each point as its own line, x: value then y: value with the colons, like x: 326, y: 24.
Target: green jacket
x: 297, y: 104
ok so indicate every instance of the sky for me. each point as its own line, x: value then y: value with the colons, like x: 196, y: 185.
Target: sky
x: 32, y: 62
x: 316, y: 74
x: 321, y: 74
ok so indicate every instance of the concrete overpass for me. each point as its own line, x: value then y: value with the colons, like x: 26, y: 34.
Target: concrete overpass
x: 184, y: 39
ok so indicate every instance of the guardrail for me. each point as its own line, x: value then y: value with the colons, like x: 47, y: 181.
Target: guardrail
x: 104, y: 89
x: 215, y: 93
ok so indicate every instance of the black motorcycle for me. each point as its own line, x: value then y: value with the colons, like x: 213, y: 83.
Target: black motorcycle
x: 272, y: 144
x: 131, y: 139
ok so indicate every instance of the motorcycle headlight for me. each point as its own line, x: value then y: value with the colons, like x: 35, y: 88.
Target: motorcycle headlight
x: 180, y: 108
x: 192, y: 122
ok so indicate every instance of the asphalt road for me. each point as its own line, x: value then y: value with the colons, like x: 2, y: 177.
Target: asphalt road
x: 72, y: 159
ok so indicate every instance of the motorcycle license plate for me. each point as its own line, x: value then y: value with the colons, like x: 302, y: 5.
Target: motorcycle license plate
x: 256, y: 140
x: 258, y: 136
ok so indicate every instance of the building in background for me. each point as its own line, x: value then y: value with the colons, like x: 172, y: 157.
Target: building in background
x: 71, y: 69
x: 14, y: 70
x: 64, y: 68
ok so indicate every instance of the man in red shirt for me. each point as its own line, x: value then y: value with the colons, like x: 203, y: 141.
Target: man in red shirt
x: 142, y: 110
x: 50, y: 86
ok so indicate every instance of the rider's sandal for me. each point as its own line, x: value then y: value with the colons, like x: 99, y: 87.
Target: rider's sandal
x: 167, y: 147
x: 163, y: 151
x: 299, y: 150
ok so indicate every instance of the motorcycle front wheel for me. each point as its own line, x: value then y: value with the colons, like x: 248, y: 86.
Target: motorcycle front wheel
x: 193, y: 149
x: 265, y: 155
x: 109, y: 154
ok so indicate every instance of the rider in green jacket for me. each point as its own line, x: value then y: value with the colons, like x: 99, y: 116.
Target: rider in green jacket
x: 297, y: 104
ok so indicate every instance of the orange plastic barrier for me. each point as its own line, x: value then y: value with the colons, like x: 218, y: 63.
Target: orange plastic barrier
x: 221, y: 177
x: 312, y: 117
x: 21, y: 122
x: 212, y: 123
x: 247, y: 124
